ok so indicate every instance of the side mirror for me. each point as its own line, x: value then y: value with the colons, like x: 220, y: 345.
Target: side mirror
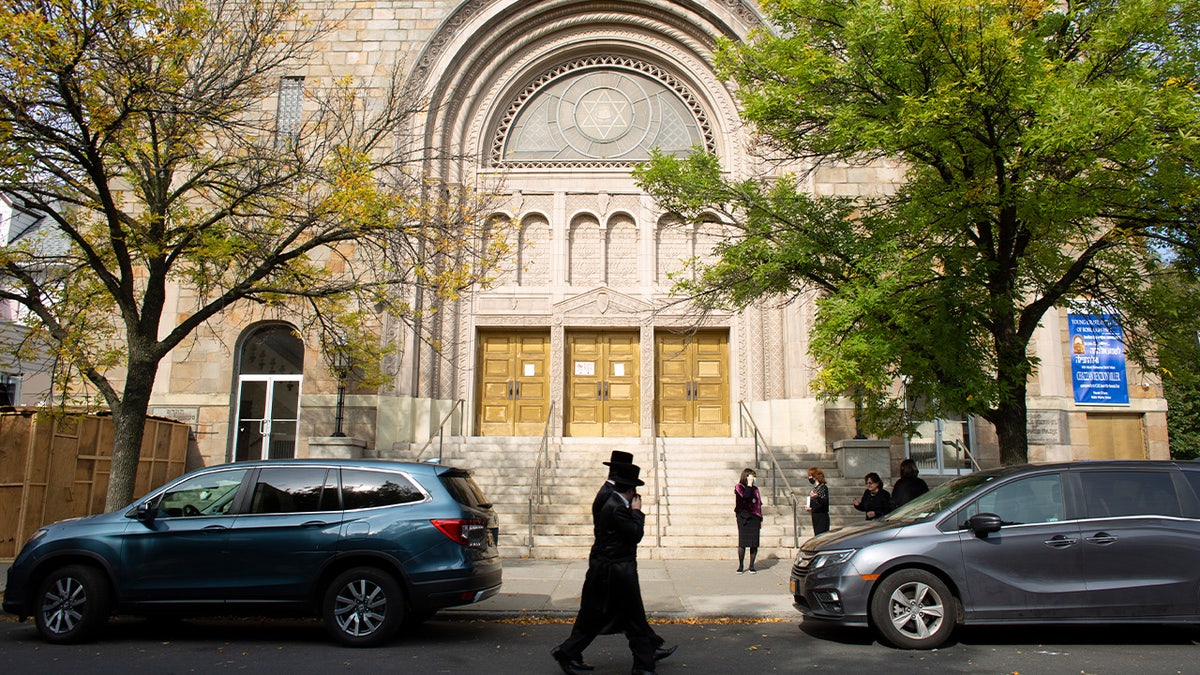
x: 145, y: 512
x: 984, y: 523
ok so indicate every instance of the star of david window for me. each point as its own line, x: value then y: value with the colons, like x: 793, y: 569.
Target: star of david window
x: 612, y: 115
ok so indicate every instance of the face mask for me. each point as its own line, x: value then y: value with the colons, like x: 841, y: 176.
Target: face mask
x: 749, y: 480
x: 812, y: 481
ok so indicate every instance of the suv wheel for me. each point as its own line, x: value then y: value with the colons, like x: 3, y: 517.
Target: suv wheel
x: 72, y: 603
x: 913, y: 609
x: 363, y: 607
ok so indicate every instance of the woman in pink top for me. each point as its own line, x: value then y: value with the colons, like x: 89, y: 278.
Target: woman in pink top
x: 748, y: 509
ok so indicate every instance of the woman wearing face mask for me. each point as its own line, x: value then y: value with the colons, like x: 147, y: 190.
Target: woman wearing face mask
x: 818, y: 500
x: 748, y: 509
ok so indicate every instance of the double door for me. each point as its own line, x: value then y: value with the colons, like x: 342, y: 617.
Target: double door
x: 692, y: 397
x: 514, y: 384
x: 268, y: 417
x: 602, y: 384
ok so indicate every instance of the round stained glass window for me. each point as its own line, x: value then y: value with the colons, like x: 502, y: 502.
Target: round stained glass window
x: 605, y: 114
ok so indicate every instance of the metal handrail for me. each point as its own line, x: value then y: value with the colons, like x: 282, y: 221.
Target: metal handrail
x: 960, y: 450
x: 458, y: 405
x: 658, y: 470
x: 776, y: 469
x: 543, y: 458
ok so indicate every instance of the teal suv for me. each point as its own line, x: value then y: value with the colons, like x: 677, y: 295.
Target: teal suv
x: 369, y: 546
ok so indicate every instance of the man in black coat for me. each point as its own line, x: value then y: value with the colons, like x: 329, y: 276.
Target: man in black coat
x: 611, y: 599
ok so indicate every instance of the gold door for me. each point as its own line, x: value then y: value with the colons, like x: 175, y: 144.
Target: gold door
x: 602, y: 384
x: 1116, y: 436
x: 692, y: 397
x: 514, y: 384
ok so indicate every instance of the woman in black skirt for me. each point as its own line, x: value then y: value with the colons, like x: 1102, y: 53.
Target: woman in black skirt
x: 748, y: 509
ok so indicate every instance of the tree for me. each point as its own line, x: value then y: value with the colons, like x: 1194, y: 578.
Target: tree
x: 1049, y: 152
x: 143, y: 131
x: 1175, y: 298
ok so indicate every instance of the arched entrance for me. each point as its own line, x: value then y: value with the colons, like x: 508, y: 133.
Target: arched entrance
x: 270, y: 370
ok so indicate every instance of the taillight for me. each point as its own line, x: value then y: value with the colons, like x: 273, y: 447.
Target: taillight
x: 460, y: 530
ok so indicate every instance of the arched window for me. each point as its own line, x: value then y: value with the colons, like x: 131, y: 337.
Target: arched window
x: 600, y: 111
x: 270, y: 369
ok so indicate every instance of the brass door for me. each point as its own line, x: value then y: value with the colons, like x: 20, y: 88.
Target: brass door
x: 1116, y: 436
x: 692, y: 389
x: 514, y: 384
x: 602, y: 384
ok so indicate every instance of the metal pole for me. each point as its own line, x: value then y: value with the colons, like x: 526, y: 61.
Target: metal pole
x: 341, y: 405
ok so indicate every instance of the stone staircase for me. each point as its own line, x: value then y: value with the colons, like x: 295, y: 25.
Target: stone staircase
x: 688, y: 496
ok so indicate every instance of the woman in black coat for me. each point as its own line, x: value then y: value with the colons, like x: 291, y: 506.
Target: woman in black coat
x: 909, y: 487
x: 818, y: 500
x: 876, y: 501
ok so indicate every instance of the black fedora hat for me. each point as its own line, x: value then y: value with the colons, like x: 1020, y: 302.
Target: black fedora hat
x: 619, y: 457
x: 626, y: 475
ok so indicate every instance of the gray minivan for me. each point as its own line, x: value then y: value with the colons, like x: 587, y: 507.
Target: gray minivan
x: 1078, y: 542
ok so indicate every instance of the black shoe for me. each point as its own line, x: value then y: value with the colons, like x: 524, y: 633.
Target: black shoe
x: 660, y: 653
x: 569, y: 665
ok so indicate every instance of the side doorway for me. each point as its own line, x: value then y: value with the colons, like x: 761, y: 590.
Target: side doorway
x: 513, y: 384
x: 270, y: 372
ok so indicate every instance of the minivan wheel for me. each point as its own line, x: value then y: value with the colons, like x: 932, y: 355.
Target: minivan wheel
x: 363, y: 607
x: 913, y: 609
x: 72, y: 604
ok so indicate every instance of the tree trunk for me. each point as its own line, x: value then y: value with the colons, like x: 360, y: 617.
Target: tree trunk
x: 1012, y: 383
x: 129, y: 422
x: 1009, y: 420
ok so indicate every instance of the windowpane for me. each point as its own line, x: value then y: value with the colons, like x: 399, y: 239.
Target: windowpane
x: 292, y: 490
x: 211, y: 494
x: 366, y: 489
x: 1129, y: 493
x: 1038, y: 499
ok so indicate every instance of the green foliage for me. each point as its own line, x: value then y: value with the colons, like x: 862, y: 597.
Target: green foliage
x: 1047, y: 150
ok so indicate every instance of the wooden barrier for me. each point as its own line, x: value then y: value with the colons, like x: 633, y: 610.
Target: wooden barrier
x: 55, y: 466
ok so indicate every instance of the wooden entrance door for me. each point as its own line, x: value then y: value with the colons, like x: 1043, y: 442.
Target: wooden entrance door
x: 602, y: 384
x: 513, y: 384
x: 692, y: 388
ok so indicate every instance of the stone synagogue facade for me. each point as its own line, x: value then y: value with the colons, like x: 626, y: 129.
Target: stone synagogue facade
x: 555, y: 100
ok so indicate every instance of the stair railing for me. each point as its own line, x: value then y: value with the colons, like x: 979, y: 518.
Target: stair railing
x: 542, y: 461
x: 660, y: 469
x: 763, y: 451
x: 960, y: 451
x: 457, y: 407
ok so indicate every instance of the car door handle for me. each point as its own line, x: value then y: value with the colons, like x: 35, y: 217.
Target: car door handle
x: 314, y: 523
x: 213, y: 528
x: 1060, y: 541
x: 1101, y: 538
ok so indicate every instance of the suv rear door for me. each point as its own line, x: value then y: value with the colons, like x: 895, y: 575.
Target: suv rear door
x: 1141, y: 556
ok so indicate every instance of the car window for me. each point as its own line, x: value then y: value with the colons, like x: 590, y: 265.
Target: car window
x: 210, y: 494
x: 294, y: 489
x: 1111, y: 494
x: 464, y: 489
x: 363, y: 489
x: 1036, y: 499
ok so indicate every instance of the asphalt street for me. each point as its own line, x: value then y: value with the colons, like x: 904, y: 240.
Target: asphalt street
x: 521, y: 647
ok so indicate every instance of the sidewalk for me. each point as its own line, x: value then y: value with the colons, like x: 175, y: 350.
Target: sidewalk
x: 671, y: 589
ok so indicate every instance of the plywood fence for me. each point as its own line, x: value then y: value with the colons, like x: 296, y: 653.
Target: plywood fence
x: 56, y: 466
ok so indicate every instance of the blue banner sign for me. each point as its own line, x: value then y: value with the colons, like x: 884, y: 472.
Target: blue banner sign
x: 1097, y: 360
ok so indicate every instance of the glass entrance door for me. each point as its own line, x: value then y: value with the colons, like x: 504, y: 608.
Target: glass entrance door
x: 268, y: 417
